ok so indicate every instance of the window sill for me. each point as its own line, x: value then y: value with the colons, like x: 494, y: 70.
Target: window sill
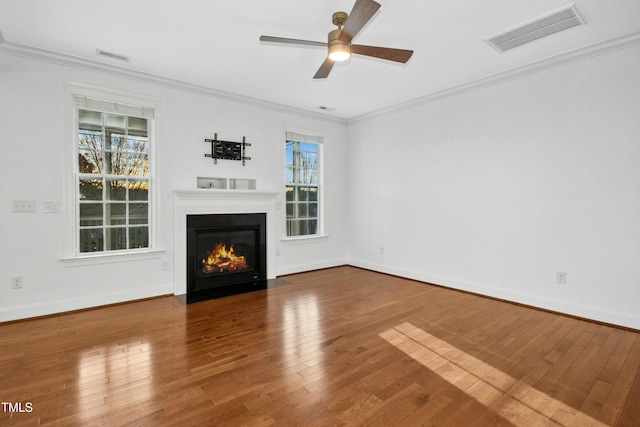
x: 304, y: 239
x: 108, y: 258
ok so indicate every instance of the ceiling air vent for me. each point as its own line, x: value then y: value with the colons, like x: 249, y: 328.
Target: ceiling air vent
x: 111, y: 55
x: 552, y: 23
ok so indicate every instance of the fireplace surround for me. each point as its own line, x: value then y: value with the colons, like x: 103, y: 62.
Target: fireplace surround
x: 200, y: 203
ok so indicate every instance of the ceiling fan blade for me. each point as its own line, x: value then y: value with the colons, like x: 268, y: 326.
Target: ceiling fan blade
x: 324, y: 70
x: 291, y: 41
x: 388, y: 53
x: 361, y: 13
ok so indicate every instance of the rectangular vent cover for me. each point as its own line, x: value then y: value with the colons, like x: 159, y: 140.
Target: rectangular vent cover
x: 111, y: 55
x: 541, y: 27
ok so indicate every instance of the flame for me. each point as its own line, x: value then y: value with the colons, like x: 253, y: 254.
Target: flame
x: 220, y: 260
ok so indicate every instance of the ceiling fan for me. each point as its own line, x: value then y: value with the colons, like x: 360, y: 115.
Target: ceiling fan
x: 339, y: 44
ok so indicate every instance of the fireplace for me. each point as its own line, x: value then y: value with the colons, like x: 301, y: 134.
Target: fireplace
x: 204, y: 202
x: 226, y: 254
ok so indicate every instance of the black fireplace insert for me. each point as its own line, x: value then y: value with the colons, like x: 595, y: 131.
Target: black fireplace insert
x: 226, y: 254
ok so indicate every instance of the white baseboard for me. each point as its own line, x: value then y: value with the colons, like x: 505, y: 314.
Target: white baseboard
x: 300, y: 268
x: 79, y: 303
x: 628, y: 320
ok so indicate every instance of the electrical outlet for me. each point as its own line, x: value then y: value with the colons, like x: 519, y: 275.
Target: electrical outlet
x: 561, y: 277
x: 165, y: 264
x: 50, y: 206
x: 16, y: 282
x: 381, y: 250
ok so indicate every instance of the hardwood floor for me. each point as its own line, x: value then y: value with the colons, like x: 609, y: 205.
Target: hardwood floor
x: 341, y: 346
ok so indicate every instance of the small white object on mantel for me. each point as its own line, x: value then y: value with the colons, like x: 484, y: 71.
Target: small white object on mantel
x: 216, y: 183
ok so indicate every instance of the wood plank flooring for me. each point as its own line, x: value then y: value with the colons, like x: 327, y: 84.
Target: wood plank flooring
x: 335, y: 347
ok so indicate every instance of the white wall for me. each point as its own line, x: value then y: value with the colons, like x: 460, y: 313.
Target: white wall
x: 497, y: 189
x: 35, y: 137
x: 491, y: 191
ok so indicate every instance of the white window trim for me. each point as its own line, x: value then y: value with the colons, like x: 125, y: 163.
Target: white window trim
x: 304, y: 239
x: 71, y: 256
x: 305, y: 135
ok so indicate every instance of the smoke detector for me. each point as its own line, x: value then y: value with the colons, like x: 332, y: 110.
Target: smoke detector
x: 544, y: 26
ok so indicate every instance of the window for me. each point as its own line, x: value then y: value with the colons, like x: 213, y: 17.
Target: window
x: 113, y: 176
x: 302, y: 184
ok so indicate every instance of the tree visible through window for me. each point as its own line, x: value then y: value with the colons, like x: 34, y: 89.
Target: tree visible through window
x: 113, y: 181
x: 302, y: 188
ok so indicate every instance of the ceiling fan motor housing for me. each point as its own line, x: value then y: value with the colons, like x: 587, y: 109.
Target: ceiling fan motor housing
x: 338, y: 49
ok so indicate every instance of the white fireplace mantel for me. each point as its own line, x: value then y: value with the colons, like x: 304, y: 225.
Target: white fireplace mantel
x: 206, y: 201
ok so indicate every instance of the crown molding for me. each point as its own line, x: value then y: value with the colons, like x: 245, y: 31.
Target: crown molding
x: 587, y: 52
x: 100, y: 67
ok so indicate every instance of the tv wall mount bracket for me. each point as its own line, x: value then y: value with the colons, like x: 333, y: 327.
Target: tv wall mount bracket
x: 227, y: 150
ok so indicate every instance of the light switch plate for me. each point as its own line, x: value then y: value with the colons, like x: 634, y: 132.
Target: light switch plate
x: 23, y: 206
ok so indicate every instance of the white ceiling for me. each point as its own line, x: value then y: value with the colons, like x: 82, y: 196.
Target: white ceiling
x: 214, y: 43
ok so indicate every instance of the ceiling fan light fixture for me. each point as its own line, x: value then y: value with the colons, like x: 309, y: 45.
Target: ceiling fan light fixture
x: 338, y: 50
